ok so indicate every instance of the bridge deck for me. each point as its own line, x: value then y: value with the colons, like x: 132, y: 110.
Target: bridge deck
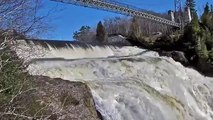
x: 118, y: 8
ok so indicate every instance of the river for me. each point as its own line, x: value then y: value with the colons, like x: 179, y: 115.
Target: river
x: 127, y: 83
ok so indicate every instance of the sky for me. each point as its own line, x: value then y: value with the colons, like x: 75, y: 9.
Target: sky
x: 67, y: 18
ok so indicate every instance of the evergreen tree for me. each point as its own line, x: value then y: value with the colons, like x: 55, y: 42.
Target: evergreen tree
x: 206, y: 17
x: 195, y: 25
x: 101, y: 34
x: 211, y: 18
x: 201, y: 48
x: 207, y: 9
x: 191, y: 4
x: 196, y: 35
x: 79, y: 35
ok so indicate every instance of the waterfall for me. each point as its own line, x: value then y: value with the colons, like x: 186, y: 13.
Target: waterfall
x: 127, y: 83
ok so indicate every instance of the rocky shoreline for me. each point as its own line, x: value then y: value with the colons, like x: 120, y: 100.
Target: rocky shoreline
x: 68, y: 100
x: 206, y: 68
x: 182, y: 47
x: 54, y: 99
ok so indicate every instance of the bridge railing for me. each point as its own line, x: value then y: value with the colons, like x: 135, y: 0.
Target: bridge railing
x: 119, y: 8
x: 123, y: 4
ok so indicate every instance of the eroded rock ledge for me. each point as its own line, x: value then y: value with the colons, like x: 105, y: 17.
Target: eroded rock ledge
x: 56, y: 99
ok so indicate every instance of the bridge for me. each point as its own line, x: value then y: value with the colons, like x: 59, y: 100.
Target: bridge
x: 113, y: 6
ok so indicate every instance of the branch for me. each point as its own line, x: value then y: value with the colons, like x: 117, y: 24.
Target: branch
x: 11, y: 9
x: 17, y: 115
x: 5, y: 89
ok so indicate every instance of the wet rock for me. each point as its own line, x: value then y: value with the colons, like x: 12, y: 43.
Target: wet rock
x: 205, y: 67
x: 118, y: 40
x: 176, y: 55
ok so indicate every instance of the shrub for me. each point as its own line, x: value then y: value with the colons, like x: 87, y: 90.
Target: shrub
x: 101, y: 34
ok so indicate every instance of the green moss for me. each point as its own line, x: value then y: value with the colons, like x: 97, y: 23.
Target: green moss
x: 35, y: 108
x: 211, y: 55
x: 17, y: 86
x: 88, y: 102
x: 12, y: 76
x: 67, y: 100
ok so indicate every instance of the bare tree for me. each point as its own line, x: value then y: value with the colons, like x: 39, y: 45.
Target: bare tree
x: 117, y: 26
x: 17, y: 18
x: 15, y: 84
x: 125, y: 26
x: 85, y: 34
x: 22, y: 16
x: 135, y: 28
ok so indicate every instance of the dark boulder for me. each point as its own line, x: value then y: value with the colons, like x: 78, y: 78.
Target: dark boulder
x: 205, y: 67
x: 118, y: 40
x: 176, y: 55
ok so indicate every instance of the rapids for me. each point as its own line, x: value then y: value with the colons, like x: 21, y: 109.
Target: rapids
x: 127, y: 83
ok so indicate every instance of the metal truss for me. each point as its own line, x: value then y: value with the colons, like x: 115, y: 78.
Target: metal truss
x: 107, y: 5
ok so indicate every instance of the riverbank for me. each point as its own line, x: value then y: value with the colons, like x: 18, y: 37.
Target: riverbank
x: 23, y: 96
x: 192, y: 47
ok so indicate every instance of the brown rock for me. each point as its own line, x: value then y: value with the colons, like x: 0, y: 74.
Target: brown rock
x: 54, y: 99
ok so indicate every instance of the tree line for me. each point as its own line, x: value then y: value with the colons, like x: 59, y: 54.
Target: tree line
x: 120, y: 26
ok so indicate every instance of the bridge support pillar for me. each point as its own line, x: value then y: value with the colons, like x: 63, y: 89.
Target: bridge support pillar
x: 172, y: 15
x: 189, y: 14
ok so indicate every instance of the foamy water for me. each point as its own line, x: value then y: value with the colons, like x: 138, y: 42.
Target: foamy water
x: 129, y: 83
x: 30, y: 50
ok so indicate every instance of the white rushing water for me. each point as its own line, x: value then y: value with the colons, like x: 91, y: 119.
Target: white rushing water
x: 128, y: 83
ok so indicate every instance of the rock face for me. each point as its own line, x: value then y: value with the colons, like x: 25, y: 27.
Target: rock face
x: 56, y: 99
x: 176, y: 55
x: 205, y: 67
x: 67, y: 100
x: 118, y: 40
